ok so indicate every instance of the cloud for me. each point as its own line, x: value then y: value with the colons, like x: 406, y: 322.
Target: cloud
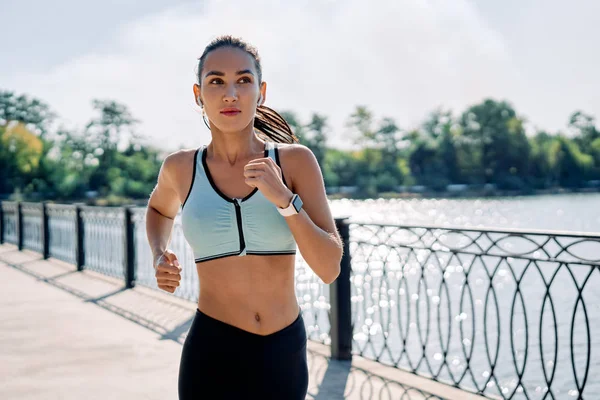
x: 400, y: 58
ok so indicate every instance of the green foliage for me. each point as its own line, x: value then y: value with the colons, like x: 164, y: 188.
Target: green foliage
x: 312, y: 134
x: 485, y: 144
x: 31, y: 112
x: 113, y: 126
x: 569, y: 165
x: 378, y: 168
x: 107, y: 156
x: 539, y: 169
x: 340, y: 168
x: 495, y: 135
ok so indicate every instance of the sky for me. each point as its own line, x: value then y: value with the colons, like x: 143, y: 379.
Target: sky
x: 400, y: 58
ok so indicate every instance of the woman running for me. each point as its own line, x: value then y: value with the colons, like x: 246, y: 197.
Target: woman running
x: 248, y: 198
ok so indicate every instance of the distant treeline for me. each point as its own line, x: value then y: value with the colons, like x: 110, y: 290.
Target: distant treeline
x: 486, y: 144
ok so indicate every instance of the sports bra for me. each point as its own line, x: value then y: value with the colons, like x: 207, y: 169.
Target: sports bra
x: 217, y: 226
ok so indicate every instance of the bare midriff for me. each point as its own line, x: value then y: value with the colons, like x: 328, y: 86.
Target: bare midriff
x: 253, y: 293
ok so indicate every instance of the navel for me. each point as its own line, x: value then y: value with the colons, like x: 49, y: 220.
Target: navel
x: 257, y: 317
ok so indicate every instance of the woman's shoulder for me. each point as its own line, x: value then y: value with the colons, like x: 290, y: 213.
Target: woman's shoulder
x: 294, y: 153
x: 179, y: 164
x: 179, y: 158
x: 294, y: 158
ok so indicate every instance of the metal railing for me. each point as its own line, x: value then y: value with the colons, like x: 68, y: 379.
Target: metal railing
x: 10, y: 222
x: 62, y: 224
x: 502, y: 313
x: 508, y: 314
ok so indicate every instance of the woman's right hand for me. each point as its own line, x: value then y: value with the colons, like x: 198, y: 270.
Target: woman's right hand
x: 168, y: 271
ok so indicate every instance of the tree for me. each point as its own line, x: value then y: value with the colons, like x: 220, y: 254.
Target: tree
x: 297, y: 128
x: 389, y: 135
x: 587, y: 137
x: 26, y: 110
x: 113, y: 127
x: 312, y: 135
x: 540, y: 168
x: 340, y: 168
x: 317, y: 137
x: 494, y: 128
x: 361, y: 121
x: 440, y: 129
x: 584, y: 128
x: 595, y: 153
x: 381, y: 155
x: 20, y: 153
x: 569, y: 164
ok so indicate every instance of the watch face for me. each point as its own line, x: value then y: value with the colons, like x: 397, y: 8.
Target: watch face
x: 297, y: 202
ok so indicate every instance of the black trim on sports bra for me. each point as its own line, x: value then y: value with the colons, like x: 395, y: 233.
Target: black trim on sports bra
x: 255, y: 253
x: 212, y: 182
x: 271, y: 253
x: 279, y: 164
x: 193, y: 177
x: 233, y: 253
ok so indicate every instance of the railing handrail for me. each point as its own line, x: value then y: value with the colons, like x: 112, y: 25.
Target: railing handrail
x: 454, y: 228
x: 352, y: 221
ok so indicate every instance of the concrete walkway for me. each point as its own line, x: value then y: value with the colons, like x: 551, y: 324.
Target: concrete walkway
x: 54, y: 344
x: 68, y: 335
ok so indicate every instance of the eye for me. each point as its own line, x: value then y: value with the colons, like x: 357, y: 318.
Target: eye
x: 245, y: 79
x: 216, y: 81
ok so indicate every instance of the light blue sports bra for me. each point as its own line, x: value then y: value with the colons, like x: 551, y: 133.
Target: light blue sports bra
x: 217, y: 226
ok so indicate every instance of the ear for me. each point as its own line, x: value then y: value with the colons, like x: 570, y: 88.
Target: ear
x: 263, y: 94
x: 197, y: 96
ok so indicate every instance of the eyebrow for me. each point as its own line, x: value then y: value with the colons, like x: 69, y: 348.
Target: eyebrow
x: 219, y: 73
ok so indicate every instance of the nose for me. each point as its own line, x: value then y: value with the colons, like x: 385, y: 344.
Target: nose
x: 230, y: 94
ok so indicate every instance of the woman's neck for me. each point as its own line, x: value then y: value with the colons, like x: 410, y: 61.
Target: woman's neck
x: 234, y: 147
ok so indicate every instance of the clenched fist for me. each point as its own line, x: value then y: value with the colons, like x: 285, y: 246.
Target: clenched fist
x: 168, y: 271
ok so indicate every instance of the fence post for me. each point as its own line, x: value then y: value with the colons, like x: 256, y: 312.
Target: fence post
x: 129, y: 249
x: 45, y: 231
x: 339, y: 295
x: 19, y: 225
x: 1, y: 223
x: 79, y: 237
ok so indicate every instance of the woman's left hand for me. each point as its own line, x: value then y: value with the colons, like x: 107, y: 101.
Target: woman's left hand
x: 265, y: 174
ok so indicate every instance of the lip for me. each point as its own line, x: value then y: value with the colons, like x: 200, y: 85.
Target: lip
x: 230, y: 111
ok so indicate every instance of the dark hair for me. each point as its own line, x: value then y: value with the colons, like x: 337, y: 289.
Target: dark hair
x: 267, y: 122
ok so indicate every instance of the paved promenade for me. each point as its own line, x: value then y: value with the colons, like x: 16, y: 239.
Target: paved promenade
x: 68, y: 335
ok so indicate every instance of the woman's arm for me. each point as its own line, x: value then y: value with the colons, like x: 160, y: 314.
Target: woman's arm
x: 313, y: 227
x: 162, y: 208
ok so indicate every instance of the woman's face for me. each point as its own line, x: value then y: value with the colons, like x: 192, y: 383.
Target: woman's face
x: 229, y: 89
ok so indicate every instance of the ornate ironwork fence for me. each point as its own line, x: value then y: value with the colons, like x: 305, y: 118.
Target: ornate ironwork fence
x: 507, y: 314
x: 10, y: 222
x: 511, y: 314
x: 62, y: 222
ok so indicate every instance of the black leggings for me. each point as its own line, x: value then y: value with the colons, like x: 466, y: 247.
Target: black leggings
x: 221, y: 361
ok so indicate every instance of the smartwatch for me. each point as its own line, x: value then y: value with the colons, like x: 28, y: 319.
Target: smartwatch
x: 293, y: 208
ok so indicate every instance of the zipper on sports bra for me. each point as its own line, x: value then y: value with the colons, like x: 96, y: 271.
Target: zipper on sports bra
x: 238, y: 214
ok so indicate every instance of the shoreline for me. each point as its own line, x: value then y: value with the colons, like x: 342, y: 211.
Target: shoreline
x: 466, y: 194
